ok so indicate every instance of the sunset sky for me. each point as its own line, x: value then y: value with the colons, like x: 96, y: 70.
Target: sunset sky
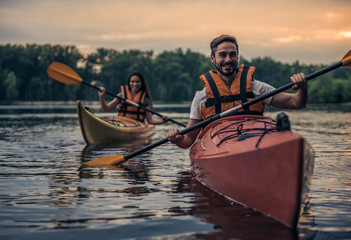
x: 315, y: 31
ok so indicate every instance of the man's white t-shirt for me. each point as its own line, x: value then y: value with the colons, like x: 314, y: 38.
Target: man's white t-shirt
x: 258, y: 88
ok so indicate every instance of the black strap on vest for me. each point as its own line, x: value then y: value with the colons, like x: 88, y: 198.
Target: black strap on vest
x: 138, y: 110
x: 125, y: 105
x: 217, y: 99
x: 223, y: 99
x: 216, y: 96
x: 243, y: 86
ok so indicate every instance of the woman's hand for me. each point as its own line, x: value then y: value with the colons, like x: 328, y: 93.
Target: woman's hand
x: 165, y: 118
x: 102, y: 92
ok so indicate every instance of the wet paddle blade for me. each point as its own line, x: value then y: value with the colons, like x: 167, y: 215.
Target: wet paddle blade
x: 106, y: 161
x: 63, y: 73
x: 346, y: 60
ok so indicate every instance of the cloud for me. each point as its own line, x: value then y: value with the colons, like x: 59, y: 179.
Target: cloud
x: 275, y: 28
x: 343, y: 34
x: 288, y: 39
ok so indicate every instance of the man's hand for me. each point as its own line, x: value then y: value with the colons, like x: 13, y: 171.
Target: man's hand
x: 299, y: 80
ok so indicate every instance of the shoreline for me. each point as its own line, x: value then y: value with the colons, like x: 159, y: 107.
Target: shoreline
x: 63, y: 103
x: 72, y: 104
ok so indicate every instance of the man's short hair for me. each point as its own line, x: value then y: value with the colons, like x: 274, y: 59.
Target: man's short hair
x: 222, y: 38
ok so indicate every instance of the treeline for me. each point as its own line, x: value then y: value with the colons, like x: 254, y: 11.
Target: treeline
x: 173, y: 76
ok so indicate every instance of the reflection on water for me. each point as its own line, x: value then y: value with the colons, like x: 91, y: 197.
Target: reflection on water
x: 46, y: 192
x: 229, y: 220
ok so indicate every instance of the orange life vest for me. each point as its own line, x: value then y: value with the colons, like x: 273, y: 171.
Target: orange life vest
x: 127, y: 110
x: 221, y: 98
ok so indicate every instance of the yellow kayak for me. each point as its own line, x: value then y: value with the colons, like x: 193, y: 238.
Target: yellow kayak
x: 112, y: 129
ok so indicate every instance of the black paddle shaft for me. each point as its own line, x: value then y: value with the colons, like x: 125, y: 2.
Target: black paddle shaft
x: 289, y: 85
x: 162, y: 141
x: 141, y: 106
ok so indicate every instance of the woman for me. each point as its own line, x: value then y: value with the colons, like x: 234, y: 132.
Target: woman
x: 137, y: 91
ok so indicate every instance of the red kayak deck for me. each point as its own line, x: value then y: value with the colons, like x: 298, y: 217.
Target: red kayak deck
x: 248, y: 161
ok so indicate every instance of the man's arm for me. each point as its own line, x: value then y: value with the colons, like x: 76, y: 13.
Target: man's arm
x: 296, y: 100
x: 184, y: 141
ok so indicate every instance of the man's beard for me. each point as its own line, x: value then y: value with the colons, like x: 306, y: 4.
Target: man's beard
x: 219, y: 69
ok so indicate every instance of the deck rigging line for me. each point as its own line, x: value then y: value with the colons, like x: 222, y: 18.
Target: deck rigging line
x: 241, y: 134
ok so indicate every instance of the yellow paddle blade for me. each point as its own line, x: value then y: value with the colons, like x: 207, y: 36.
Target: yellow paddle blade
x: 63, y: 73
x: 106, y: 161
x: 346, y: 60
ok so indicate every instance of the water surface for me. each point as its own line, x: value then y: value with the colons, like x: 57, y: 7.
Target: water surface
x: 46, y: 193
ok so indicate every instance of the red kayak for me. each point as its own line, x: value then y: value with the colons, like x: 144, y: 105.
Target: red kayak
x: 257, y: 162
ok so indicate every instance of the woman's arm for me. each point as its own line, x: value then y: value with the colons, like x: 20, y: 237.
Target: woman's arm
x: 107, y: 107
x: 151, y: 120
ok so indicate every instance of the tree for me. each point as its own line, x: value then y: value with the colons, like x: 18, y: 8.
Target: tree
x: 10, y: 84
x: 173, y: 76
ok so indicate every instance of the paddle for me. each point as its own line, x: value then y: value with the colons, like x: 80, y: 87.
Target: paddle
x: 117, y: 159
x: 65, y: 74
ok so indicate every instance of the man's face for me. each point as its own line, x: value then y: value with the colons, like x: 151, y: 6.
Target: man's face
x: 226, y: 58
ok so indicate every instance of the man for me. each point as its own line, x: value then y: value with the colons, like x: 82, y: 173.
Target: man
x: 229, y: 86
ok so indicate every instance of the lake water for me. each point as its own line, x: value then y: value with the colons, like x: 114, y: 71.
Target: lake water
x: 46, y: 193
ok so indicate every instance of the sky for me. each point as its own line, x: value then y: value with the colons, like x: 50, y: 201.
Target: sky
x: 308, y: 31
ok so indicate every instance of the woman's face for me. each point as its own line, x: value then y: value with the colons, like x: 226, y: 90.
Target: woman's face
x: 135, y: 83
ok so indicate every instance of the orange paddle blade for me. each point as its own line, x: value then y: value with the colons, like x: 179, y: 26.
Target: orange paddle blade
x: 63, y: 73
x: 106, y: 161
x: 346, y: 60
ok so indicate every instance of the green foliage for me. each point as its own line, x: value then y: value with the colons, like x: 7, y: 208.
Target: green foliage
x: 35, y: 88
x: 10, y: 84
x: 173, y: 76
x: 29, y: 63
x: 325, y: 89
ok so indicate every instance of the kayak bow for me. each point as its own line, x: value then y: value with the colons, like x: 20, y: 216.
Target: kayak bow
x: 254, y: 162
x: 113, y: 129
